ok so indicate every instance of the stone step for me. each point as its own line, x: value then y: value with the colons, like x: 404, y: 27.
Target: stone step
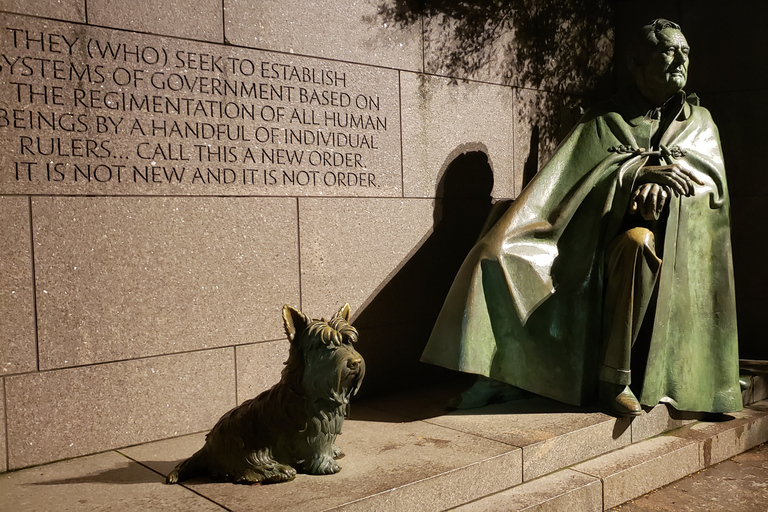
x: 629, y: 472
x: 407, y: 453
x: 624, y: 474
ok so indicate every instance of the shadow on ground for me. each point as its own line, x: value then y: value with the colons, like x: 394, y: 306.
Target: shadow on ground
x: 131, y: 473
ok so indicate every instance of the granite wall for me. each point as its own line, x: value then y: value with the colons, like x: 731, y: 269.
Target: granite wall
x: 174, y: 171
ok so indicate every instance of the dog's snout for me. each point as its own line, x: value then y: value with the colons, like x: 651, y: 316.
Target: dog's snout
x: 354, y: 363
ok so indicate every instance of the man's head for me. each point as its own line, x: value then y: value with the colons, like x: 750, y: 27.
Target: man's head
x: 658, y: 60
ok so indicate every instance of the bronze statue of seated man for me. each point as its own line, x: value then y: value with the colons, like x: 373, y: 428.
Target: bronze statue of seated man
x: 611, y: 275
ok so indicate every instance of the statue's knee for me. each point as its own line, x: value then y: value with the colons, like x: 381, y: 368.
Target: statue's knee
x: 642, y: 238
x: 631, y: 244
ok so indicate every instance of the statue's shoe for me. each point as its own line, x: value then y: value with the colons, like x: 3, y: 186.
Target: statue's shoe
x: 486, y: 391
x: 624, y: 403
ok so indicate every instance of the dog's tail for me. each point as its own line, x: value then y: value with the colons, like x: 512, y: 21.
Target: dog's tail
x: 194, y: 466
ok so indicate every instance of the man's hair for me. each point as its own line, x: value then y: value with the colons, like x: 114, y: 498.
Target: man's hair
x: 647, y: 37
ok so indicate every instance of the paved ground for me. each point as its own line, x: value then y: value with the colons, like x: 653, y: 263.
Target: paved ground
x: 739, y: 484
x: 406, y: 453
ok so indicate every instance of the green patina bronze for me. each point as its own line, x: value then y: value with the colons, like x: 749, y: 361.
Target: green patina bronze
x: 291, y: 427
x: 532, y: 306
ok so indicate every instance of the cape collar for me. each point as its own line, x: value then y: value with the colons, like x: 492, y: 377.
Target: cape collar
x: 636, y: 109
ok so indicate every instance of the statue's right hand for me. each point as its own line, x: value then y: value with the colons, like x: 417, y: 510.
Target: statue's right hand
x: 675, y: 177
x: 648, y: 200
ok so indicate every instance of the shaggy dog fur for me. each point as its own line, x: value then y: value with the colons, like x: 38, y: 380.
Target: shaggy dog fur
x: 291, y: 427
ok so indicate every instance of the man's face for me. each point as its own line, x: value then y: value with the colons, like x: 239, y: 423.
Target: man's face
x: 666, y: 70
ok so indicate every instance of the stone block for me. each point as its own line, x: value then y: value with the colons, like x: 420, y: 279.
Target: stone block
x: 563, y: 490
x: 351, y: 248
x: 388, y: 466
x: 443, y: 119
x: 162, y: 456
x: 542, y: 120
x: 724, y: 439
x: 418, y: 403
x: 575, y: 46
x: 364, y: 31
x: 456, y: 46
x: 395, y: 349
x: 556, y: 47
x: 659, y: 420
x: 757, y: 373
x: 758, y: 390
x: 137, y: 114
x: 119, y: 278
x: 68, y: 10
x: 192, y: 19
x: 65, y: 413
x: 258, y: 367
x: 3, y: 440
x: 447, y: 489
x: 551, y: 435
x: 18, y: 350
x: 107, y: 481
x: 639, y: 468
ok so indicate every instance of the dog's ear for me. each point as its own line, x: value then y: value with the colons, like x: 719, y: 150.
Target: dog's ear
x: 294, y: 321
x: 343, y: 312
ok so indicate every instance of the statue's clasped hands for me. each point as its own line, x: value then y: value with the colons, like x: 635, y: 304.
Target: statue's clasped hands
x: 655, y: 183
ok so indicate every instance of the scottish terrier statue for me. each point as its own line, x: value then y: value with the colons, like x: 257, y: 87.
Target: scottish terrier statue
x: 291, y: 427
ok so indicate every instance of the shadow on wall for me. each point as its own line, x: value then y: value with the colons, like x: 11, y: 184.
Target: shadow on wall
x: 395, y: 325
x: 546, y: 45
x: 563, y: 46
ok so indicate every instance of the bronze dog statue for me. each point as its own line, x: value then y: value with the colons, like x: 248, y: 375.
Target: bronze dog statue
x: 291, y: 427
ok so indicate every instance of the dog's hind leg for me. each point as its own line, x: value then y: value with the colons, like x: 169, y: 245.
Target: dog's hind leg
x: 194, y: 466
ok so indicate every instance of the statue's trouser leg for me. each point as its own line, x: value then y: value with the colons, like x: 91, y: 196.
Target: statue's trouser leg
x: 632, y: 271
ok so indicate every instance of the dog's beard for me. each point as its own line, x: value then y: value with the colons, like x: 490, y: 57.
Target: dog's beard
x: 331, y: 379
x: 347, y: 384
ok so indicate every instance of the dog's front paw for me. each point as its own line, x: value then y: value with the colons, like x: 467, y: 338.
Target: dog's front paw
x: 323, y: 466
x: 265, y: 474
x: 337, y: 452
x: 328, y: 468
x: 282, y: 473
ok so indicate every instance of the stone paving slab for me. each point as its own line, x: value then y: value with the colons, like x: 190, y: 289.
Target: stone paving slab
x: 549, y: 440
x: 660, y: 419
x: 631, y: 471
x: 634, y: 470
x: 388, y: 466
x: 736, y: 485
x: 552, y: 435
x: 563, y: 490
x: 408, y: 453
x: 722, y: 440
x: 106, y: 481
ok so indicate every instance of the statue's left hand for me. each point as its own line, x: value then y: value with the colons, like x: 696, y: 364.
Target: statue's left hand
x: 675, y: 178
x: 649, y: 200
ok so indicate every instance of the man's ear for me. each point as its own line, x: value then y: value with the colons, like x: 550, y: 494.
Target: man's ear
x: 343, y: 312
x: 294, y: 321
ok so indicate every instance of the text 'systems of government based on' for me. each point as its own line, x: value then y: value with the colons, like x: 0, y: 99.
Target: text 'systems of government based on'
x: 85, y: 107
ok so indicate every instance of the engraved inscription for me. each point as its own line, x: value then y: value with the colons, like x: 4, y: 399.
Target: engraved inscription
x: 89, y: 110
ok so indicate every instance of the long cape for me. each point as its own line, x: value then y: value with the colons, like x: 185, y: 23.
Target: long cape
x: 526, y: 305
